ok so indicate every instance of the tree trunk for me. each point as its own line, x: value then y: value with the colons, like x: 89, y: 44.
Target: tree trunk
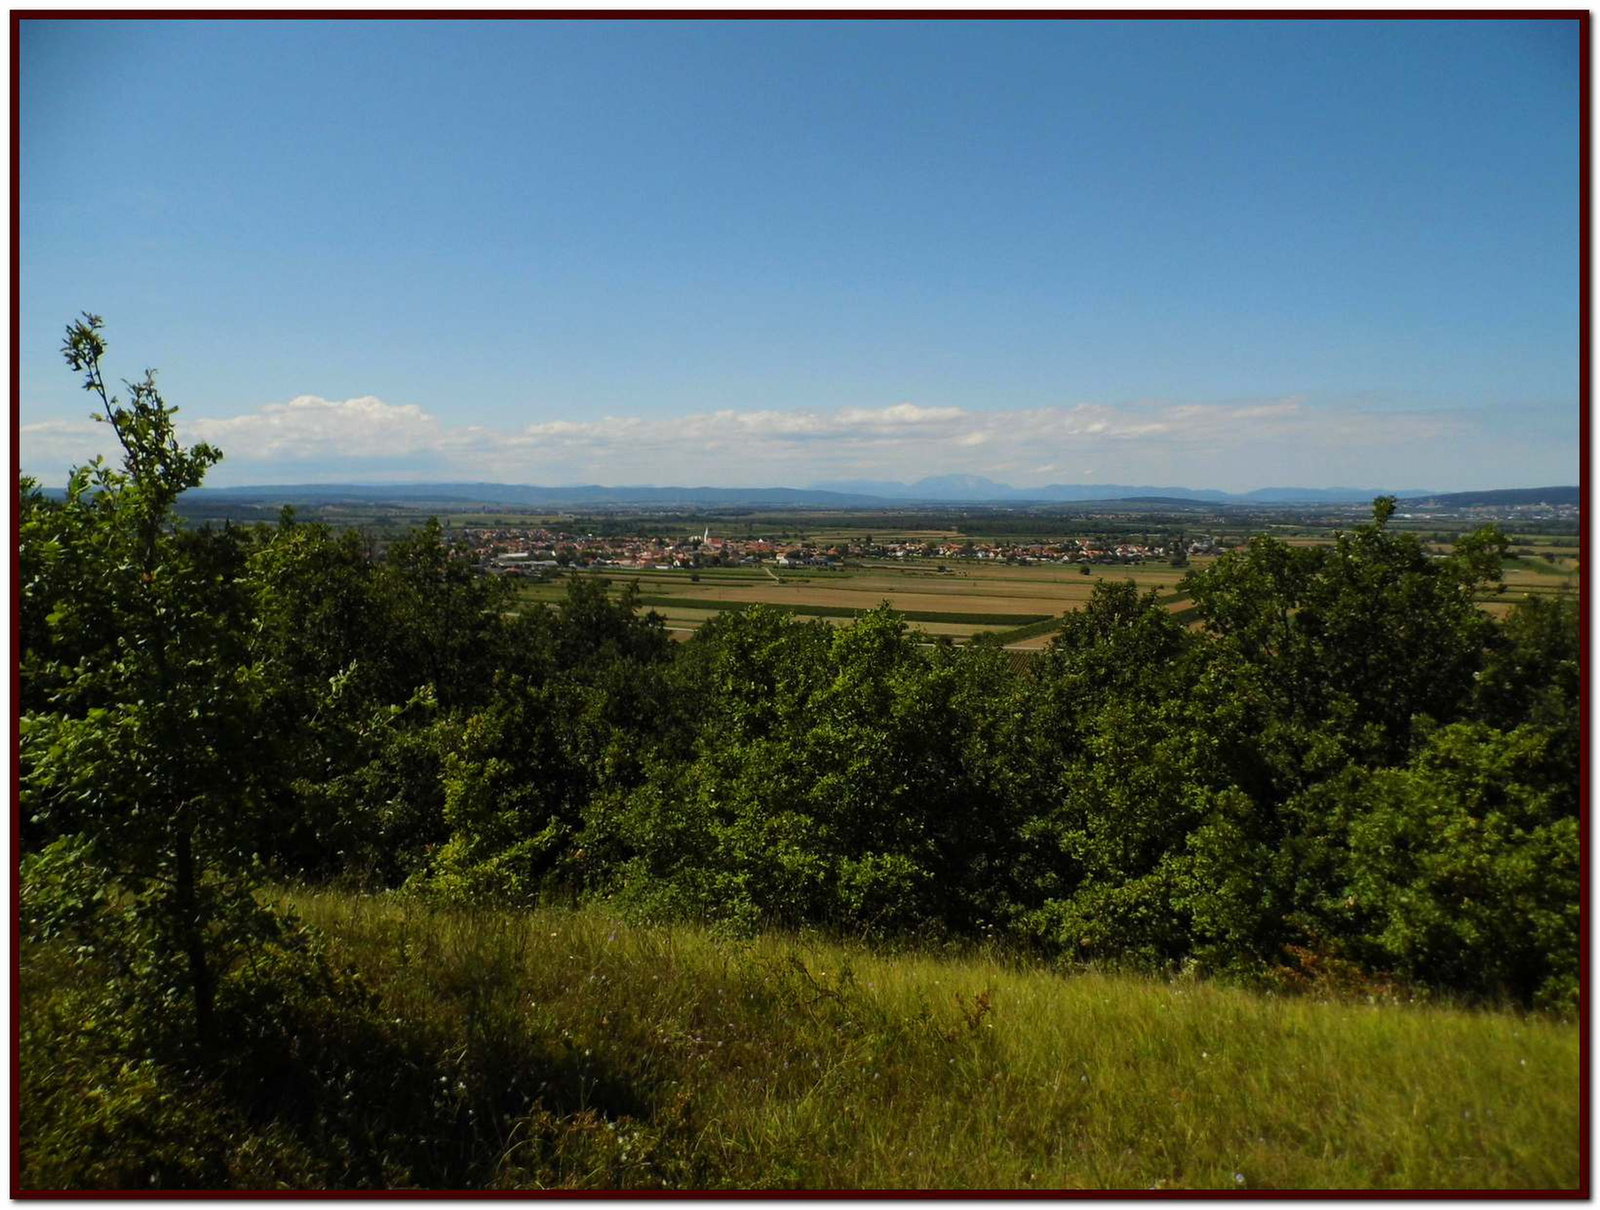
x: 193, y: 942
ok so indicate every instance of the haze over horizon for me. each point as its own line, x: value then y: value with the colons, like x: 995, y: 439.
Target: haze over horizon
x: 792, y: 252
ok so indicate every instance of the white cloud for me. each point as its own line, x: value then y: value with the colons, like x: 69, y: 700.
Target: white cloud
x: 1248, y: 443
x: 48, y: 429
x: 309, y: 427
x: 897, y: 415
x: 58, y: 444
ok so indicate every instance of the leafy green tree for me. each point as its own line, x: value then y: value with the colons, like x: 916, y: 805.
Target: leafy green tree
x: 140, y: 732
x: 1459, y: 870
x: 1531, y: 676
x: 316, y: 598
x: 326, y: 677
x: 375, y: 671
x: 512, y: 795
x: 1360, y: 640
x: 575, y: 715
x: 833, y: 775
x: 1121, y: 767
x: 443, y: 623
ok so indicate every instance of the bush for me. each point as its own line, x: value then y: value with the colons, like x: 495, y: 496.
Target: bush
x: 1470, y: 872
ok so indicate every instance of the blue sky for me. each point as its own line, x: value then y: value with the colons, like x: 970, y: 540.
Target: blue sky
x: 1201, y: 253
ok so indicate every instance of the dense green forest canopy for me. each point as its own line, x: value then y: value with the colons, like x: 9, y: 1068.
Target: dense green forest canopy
x: 1334, y: 761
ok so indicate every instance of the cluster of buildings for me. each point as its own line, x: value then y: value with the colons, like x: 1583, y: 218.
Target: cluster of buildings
x: 537, y: 551
x: 1068, y: 550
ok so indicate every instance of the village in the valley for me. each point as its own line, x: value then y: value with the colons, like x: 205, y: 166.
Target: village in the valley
x: 516, y: 551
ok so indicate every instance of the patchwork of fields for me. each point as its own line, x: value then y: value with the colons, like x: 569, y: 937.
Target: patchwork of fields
x: 963, y: 598
x: 1548, y: 569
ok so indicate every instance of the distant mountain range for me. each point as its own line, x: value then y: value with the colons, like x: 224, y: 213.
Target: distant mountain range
x: 938, y: 490
x: 1509, y: 495
x: 458, y: 495
x: 975, y: 488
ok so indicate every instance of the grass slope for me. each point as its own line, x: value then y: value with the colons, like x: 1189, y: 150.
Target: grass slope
x: 799, y: 1063
x: 567, y: 1049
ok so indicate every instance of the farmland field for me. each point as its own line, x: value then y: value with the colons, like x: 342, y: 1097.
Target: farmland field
x: 962, y: 598
x: 1533, y: 576
x: 966, y: 599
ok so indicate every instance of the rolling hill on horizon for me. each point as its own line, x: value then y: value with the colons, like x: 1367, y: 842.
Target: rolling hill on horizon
x: 942, y: 491
x: 977, y: 488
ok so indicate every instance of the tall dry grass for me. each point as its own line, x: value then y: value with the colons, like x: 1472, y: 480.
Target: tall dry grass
x: 671, y: 1055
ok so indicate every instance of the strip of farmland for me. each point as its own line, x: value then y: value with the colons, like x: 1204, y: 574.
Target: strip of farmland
x: 847, y: 611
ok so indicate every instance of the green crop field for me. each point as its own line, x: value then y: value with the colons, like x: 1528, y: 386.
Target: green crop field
x: 1566, y: 568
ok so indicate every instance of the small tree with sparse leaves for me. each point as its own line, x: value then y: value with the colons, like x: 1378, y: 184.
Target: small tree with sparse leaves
x: 139, y: 715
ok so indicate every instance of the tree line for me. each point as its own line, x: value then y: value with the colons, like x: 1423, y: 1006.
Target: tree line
x: 1336, y: 759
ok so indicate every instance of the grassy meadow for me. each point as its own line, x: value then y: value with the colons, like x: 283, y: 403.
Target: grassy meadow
x: 570, y: 1049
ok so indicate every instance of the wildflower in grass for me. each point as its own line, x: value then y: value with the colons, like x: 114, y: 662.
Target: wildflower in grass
x: 1238, y: 1178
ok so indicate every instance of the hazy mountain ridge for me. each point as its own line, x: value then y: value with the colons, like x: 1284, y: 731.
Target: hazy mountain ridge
x: 939, y: 490
x: 977, y: 488
x: 529, y: 494
x: 1507, y: 495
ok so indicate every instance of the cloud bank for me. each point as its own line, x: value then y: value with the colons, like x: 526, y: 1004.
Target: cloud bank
x: 1234, y: 445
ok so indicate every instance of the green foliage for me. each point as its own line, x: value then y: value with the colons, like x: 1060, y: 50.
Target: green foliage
x: 511, y: 794
x: 441, y: 619
x: 1531, y: 675
x: 329, y: 679
x: 143, y: 701
x: 838, y: 775
x: 1361, y: 639
x: 1114, y: 758
x: 374, y: 810
x: 522, y: 769
x: 1463, y: 872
